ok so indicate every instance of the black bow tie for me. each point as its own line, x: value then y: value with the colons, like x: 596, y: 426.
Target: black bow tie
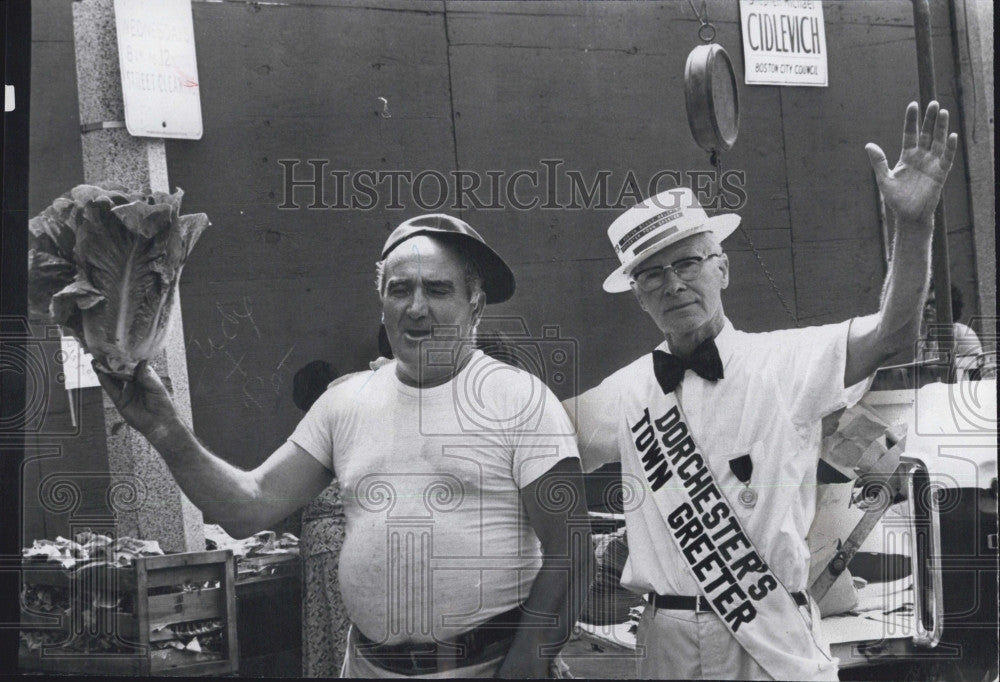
x: 704, y: 362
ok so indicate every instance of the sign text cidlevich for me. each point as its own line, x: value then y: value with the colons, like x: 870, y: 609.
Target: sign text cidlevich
x: 784, y: 42
x: 159, y: 69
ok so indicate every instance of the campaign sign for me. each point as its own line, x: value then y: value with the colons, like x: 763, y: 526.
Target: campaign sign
x: 784, y: 42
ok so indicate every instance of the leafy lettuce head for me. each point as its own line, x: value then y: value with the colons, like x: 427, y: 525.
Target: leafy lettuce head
x: 104, y: 262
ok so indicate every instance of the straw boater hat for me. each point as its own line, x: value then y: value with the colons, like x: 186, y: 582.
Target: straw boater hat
x: 656, y: 223
x: 498, y: 280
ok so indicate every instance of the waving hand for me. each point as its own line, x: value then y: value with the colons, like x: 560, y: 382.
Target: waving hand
x: 912, y: 188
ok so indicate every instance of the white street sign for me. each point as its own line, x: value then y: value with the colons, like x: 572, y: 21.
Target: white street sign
x: 159, y: 68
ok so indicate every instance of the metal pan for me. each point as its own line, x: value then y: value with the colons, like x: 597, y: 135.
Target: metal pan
x: 713, y: 106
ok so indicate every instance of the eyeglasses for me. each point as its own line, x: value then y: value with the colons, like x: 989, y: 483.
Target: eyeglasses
x: 686, y: 269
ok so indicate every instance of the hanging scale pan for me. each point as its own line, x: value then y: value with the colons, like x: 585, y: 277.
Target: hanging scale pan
x: 713, y: 105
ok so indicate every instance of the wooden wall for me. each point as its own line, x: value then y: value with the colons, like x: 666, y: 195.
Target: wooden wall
x: 484, y: 86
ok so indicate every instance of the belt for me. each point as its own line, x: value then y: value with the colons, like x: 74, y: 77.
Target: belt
x: 489, y: 640
x: 700, y: 603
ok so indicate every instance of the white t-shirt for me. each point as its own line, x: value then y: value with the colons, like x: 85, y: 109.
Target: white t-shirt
x: 966, y: 341
x: 776, y: 389
x: 437, y: 540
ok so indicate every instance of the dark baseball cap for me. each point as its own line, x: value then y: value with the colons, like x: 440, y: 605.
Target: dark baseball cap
x: 498, y: 280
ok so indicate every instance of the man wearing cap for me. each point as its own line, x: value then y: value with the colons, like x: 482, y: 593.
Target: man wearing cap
x: 466, y: 551
x: 718, y: 431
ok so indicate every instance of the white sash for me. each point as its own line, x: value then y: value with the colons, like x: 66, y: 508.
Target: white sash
x: 739, y: 586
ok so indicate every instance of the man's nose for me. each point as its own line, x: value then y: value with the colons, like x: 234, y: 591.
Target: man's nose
x: 672, y: 283
x: 418, y: 304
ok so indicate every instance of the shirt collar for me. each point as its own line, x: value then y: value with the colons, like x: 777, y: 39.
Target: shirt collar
x: 725, y: 341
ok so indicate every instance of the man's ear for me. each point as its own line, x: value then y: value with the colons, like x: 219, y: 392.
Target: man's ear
x: 724, y: 265
x: 478, y: 306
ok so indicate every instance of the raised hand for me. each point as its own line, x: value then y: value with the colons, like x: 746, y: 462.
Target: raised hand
x: 912, y: 188
x: 143, y: 402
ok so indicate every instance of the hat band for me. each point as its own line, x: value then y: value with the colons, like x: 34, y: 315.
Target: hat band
x: 647, y: 226
x: 649, y: 242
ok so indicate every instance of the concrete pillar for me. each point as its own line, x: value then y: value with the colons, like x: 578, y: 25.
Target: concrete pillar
x: 110, y: 154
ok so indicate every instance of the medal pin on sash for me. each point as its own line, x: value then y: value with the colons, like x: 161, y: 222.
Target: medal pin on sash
x: 742, y: 468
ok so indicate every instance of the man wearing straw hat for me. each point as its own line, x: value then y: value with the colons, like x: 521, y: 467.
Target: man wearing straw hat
x: 465, y: 552
x: 718, y: 431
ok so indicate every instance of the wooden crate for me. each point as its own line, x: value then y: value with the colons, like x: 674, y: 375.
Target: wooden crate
x: 148, y: 584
